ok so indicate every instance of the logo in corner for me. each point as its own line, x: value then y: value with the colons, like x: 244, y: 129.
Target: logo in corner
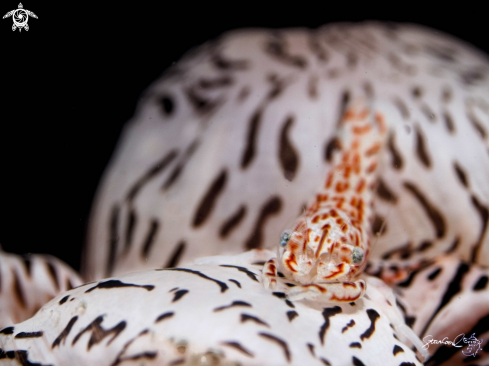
x: 20, y: 17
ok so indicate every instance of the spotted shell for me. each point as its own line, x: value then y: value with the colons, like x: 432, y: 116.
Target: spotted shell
x: 216, y: 309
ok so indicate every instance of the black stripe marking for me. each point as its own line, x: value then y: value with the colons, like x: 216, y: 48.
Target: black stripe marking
x: 222, y: 285
x: 234, y: 303
x: 232, y: 222
x: 64, y: 334
x: 481, y: 283
x: 291, y: 315
x: 130, y: 224
x: 434, y: 215
x: 150, y: 238
x: 484, y: 216
x: 209, y: 200
x: 215, y: 83
x: 251, y: 138
x: 349, y: 325
x: 462, y: 177
x: 201, y: 105
x: 434, y: 274
x: 179, y: 294
x: 453, y: 288
x: 476, y: 123
x: 26, y: 259
x: 384, y: 192
x: 7, y: 330
x: 120, y: 359
x: 447, y: 117
x: 222, y: 63
x: 324, y: 361
x: 242, y: 269
x: 430, y: 115
x: 238, y: 347
x: 396, y: 161
x: 329, y: 149
x: 110, y: 284
x: 177, y: 170
x: 113, y: 239
x: 167, y: 105
x: 279, y: 341
x: 270, y: 208
x: 164, y: 316
x: 356, y: 362
x: 98, y: 333
x: 355, y: 345
x: 176, y: 255
x: 29, y: 334
x: 401, y: 106
x: 17, y: 290
x: 327, y: 314
x: 21, y: 356
x: 64, y: 299
x: 288, y: 158
x: 277, y: 48
x: 421, y: 150
x: 373, y: 316
x: 157, y: 168
x: 282, y: 295
x: 397, y: 349
x: 235, y: 282
x: 379, y: 225
x: 248, y: 317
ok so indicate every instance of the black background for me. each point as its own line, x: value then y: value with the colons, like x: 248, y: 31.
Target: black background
x: 68, y: 85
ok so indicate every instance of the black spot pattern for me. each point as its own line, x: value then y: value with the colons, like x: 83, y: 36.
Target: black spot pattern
x: 64, y: 299
x: 278, y: 341
x: 29, y: 334
x: 355, y: 345
x: 327, y: 314
x: 481, y: 283
x: 291, y: 315
x: 179, y: 294
x: 288, y: 158
x: 167, y: 105
x: 233, y: 304
x: 222, y: 285
x: 164, y: 316
x: 209, y: 200
x: 232, y: 222
x: 176, y: 255
x: 271, y: 207
x: 98, y: 333
x: 373, y: 316
x: 397, y: 349
x: 356, y: 362
x: 111, y: 284
x: 65, y: 332
x: 239, y: 347
x: 483, y: 212
x: 150, y: 238
x: 248, y: 317
x: 396, y: 159
x: 421, y: 149
x: 242, y: 269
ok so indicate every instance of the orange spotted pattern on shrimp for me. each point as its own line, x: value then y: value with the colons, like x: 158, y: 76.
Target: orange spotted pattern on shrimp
x: 325, y: 253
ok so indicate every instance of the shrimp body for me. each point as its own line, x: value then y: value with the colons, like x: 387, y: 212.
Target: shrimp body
x: 327, y: 249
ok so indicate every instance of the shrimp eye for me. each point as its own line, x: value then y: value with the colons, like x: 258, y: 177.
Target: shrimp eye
x: 284, y: 238
x: 357, y: 255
